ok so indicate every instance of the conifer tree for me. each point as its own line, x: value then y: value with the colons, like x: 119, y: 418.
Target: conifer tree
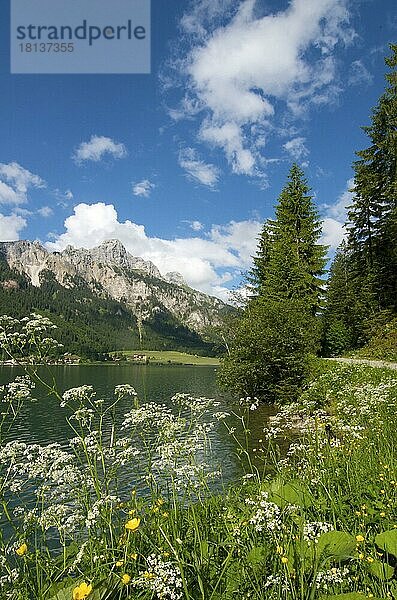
x: 278, y: 329
x: 372, y: 219
x: 365, y: 297
x: 296, y: 260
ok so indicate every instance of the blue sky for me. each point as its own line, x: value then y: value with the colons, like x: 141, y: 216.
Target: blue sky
x: 185, y: 164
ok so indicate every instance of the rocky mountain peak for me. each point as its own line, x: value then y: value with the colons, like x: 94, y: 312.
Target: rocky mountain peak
x: 113, y: 248
x: 175, y: 277
x: 111, y: 270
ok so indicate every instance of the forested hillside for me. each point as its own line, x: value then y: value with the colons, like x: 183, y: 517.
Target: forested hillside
x: 362, y: 292
x: 90, y: 324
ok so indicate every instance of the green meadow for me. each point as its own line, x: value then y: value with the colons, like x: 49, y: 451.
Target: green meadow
x: 167, y: 357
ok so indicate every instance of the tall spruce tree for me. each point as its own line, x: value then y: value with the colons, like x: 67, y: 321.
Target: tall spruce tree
x: 268, y: 356
x: 372, y: 219
x: 295, y: 261
x: 369, y: 294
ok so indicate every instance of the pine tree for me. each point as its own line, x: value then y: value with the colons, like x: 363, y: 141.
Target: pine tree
x: 257, y: 276
x: 372, y: 220
x: 278, y: 329
x: 290, y: 262
x: 345, y: 309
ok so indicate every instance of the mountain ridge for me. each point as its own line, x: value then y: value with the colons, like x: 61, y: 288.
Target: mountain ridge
x: 109, y: 271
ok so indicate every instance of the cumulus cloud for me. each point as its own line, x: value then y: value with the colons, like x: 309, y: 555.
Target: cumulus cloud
x: 143, y: 188
x: 205, y: 263
x: 359, y: 74
x: 196, y: 169
x: 96, y: 148
x: 296, y: 148
x: 240, y: 73
x: 15, y: 182
x: 10, y: 227
x: 335, y: 217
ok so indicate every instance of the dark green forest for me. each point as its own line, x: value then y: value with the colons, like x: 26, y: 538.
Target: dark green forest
x: 293, y: 312
x: 362, y: 292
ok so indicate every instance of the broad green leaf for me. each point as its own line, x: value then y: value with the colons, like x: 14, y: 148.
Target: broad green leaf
x: 65, y: 593
x: 387, y: 541
x: 293, y: 492
x: 381, y: 570
x: 257, y: 556
x: 336, y: 544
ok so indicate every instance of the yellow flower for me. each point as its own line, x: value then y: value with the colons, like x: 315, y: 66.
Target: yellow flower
x: 370, y: 559
x: 361, y: 556
x: 382, y: 514
x: 82, y: 591
x: 148, y: 575
x: 284, y: 560
x: 160, y: 502
x: 132, y: 524
x: 134, y: 556
x: 280, y: 550
x: 359, y: 538
x: 119, y: 563
x: 21, y: 551
x: 126, y: 579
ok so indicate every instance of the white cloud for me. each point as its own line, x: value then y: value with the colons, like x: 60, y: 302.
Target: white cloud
x: 244, y: 72
x: 15, y: 182
x: 333, y: 233
x: 96, y: 148
x: 10, y: 227
x: 198, y: 170
x: 297, y: 148
x: 335, y: 217
x: 203, y: 13
x: 359, y: 74
x: 202, y: 261
x: 45, y: 211
x: 195, y: 225
x: 143, y: 188
x: 9, y: 196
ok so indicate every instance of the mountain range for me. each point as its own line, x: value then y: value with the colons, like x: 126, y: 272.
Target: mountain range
x: 105, y: 299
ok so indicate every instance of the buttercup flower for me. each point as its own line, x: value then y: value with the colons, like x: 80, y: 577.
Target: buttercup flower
x: 21, y: 551
x: 126, y: 579
x: 82, y: 591
x: 132, y: 524
x: 359, y: 538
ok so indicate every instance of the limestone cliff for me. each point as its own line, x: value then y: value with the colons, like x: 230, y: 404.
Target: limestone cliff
x: 110, y: 270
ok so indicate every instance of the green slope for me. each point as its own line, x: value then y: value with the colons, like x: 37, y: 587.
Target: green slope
x: 90, y: 324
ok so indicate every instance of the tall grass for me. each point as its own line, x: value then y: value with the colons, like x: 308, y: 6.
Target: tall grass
x: 131, y: 512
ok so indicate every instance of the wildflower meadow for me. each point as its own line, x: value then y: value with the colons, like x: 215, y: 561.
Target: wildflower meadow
x: 140, y: 511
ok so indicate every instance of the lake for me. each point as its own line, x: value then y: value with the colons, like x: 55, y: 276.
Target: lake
x: 44, y: 421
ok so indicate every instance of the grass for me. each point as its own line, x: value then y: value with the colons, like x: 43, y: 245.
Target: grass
x: 173, y: 357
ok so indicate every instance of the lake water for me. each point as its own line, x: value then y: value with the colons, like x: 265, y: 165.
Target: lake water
x: 44, y: 421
